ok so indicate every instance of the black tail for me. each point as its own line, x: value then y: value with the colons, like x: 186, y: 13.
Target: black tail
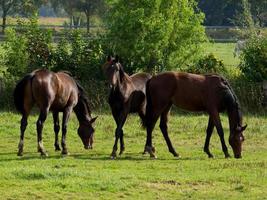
x: 145, y: 122
x: 19, y: 92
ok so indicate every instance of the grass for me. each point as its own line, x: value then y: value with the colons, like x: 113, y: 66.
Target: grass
x: 92, y: 174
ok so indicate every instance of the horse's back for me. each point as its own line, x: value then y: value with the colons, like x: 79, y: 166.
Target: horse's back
x: 139, y: 80
x: 53, y: 90
x: 187, y: 91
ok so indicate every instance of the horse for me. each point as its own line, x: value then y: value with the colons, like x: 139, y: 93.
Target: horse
x: 239, y: 47
x: 56, y: 92
x: 197, y: 93
x: 127, y: 95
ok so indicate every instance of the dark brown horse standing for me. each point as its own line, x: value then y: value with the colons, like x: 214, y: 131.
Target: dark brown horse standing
x: 57, y: 92
x: 208, y: 93
x: 127, y: 95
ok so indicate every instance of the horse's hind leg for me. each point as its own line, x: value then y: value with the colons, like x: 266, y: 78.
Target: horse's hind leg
x: 164, y: 129
x: 23, y: 126
x: 56, y: 130
x: 207, y: 141
x: 40, y: 124
x: 23, y: 123
x: 217, y: 122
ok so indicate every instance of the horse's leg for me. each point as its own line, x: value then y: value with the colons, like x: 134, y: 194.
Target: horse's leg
x: 164, y: 129
x: 207, y: 141
x: 40, y: 124
x: 116, y: 118
x: 217, y: 122
x: 56, y: 130
x: 66, y: 115
x: 150, y: 126
x: 120, y: 120
x: 23, y: 126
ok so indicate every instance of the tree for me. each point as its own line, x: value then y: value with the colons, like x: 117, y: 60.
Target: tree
x: 259, y: 11
x: 6, y: 7
x: 155, y: 34
x: 91, y: 7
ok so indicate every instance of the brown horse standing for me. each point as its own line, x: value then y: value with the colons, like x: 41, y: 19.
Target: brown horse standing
x: 57, y: 92
x: 127, y: 95
x: 208, y: 93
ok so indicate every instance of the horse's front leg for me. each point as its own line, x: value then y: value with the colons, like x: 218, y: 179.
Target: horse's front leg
x: 56, y: 130
x: 120, y: 120
x: 66, y: 115
x: 40, y: 124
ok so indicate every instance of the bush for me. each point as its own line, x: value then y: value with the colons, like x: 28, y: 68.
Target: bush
x: 208, y: 64
x: 79, y: 55
x: 254, y: 59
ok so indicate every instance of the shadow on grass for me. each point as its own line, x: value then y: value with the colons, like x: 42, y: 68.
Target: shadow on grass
x: 95, y: 157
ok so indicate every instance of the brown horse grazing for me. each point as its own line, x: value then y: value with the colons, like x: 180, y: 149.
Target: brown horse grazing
x: 208, y: 93
x: 57, y: 92
x: 127, y: 95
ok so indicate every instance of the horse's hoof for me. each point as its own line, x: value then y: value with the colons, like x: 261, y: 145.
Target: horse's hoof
x: 211, y: 156
x: 176, y: 155
x: 64, y: 152
x: 113, y: 155
x: 227, y: 156
x: 153, y: 156
x: 44, y: 154
x: 20, y: 153
x: 57, y: 148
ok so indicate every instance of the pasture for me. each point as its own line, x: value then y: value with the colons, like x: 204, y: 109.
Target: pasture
x: 86, y: 174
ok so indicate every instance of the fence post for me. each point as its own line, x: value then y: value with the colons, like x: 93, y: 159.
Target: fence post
x: 264, y: 86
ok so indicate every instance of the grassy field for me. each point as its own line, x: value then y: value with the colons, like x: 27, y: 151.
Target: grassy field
x: 92, y: 174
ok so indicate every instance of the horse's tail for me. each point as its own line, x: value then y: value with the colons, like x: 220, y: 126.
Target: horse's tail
x: 19, y: 92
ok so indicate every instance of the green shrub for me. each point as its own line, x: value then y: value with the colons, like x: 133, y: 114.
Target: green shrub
x: 254, y: 59
x: 208, y: 64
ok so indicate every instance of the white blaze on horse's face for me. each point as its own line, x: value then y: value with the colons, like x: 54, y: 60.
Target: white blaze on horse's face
x: 114, y: 74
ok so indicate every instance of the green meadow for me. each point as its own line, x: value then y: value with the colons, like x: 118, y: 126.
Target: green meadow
x: 87, y: 174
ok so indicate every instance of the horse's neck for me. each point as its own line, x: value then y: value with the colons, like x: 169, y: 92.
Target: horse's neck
x: 125, y: 86
x: 235, y: 119
x: 81, y: 111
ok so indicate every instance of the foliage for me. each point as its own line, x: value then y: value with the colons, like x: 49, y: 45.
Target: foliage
x: 16, y: 60
x: 208, y: 64
x: 28, y: 50
x: 79, y: 55
x: 254, y: 59
x: 155, y: 34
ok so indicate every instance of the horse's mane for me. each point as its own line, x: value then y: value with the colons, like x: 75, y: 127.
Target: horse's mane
x: 236, y: 103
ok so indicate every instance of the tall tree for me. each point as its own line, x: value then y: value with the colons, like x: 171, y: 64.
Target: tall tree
x: 91, y: 7
x: 155, y: 34
x: 7, y: 6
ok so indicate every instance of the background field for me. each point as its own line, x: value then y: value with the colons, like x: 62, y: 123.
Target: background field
x: 92, y: 174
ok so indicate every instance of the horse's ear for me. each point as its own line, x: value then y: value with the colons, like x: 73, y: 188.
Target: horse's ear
x: 109, y: 58
x: 93, y: 120
x: 116, y: 58
x: 244, y: 127
x: 241, y: 128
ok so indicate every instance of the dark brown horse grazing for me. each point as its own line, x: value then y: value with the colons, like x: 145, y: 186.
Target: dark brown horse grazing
x: 208, y: 93
x: 57, y: 92
x: 127, y: 95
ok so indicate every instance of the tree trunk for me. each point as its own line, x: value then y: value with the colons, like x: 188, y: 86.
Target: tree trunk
x: 4, y: 22
x: 88, y: 23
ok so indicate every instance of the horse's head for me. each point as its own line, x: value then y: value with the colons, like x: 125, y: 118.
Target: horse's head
x: 113, y: 71
x: 86, y: 133
x: 236, y: 139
